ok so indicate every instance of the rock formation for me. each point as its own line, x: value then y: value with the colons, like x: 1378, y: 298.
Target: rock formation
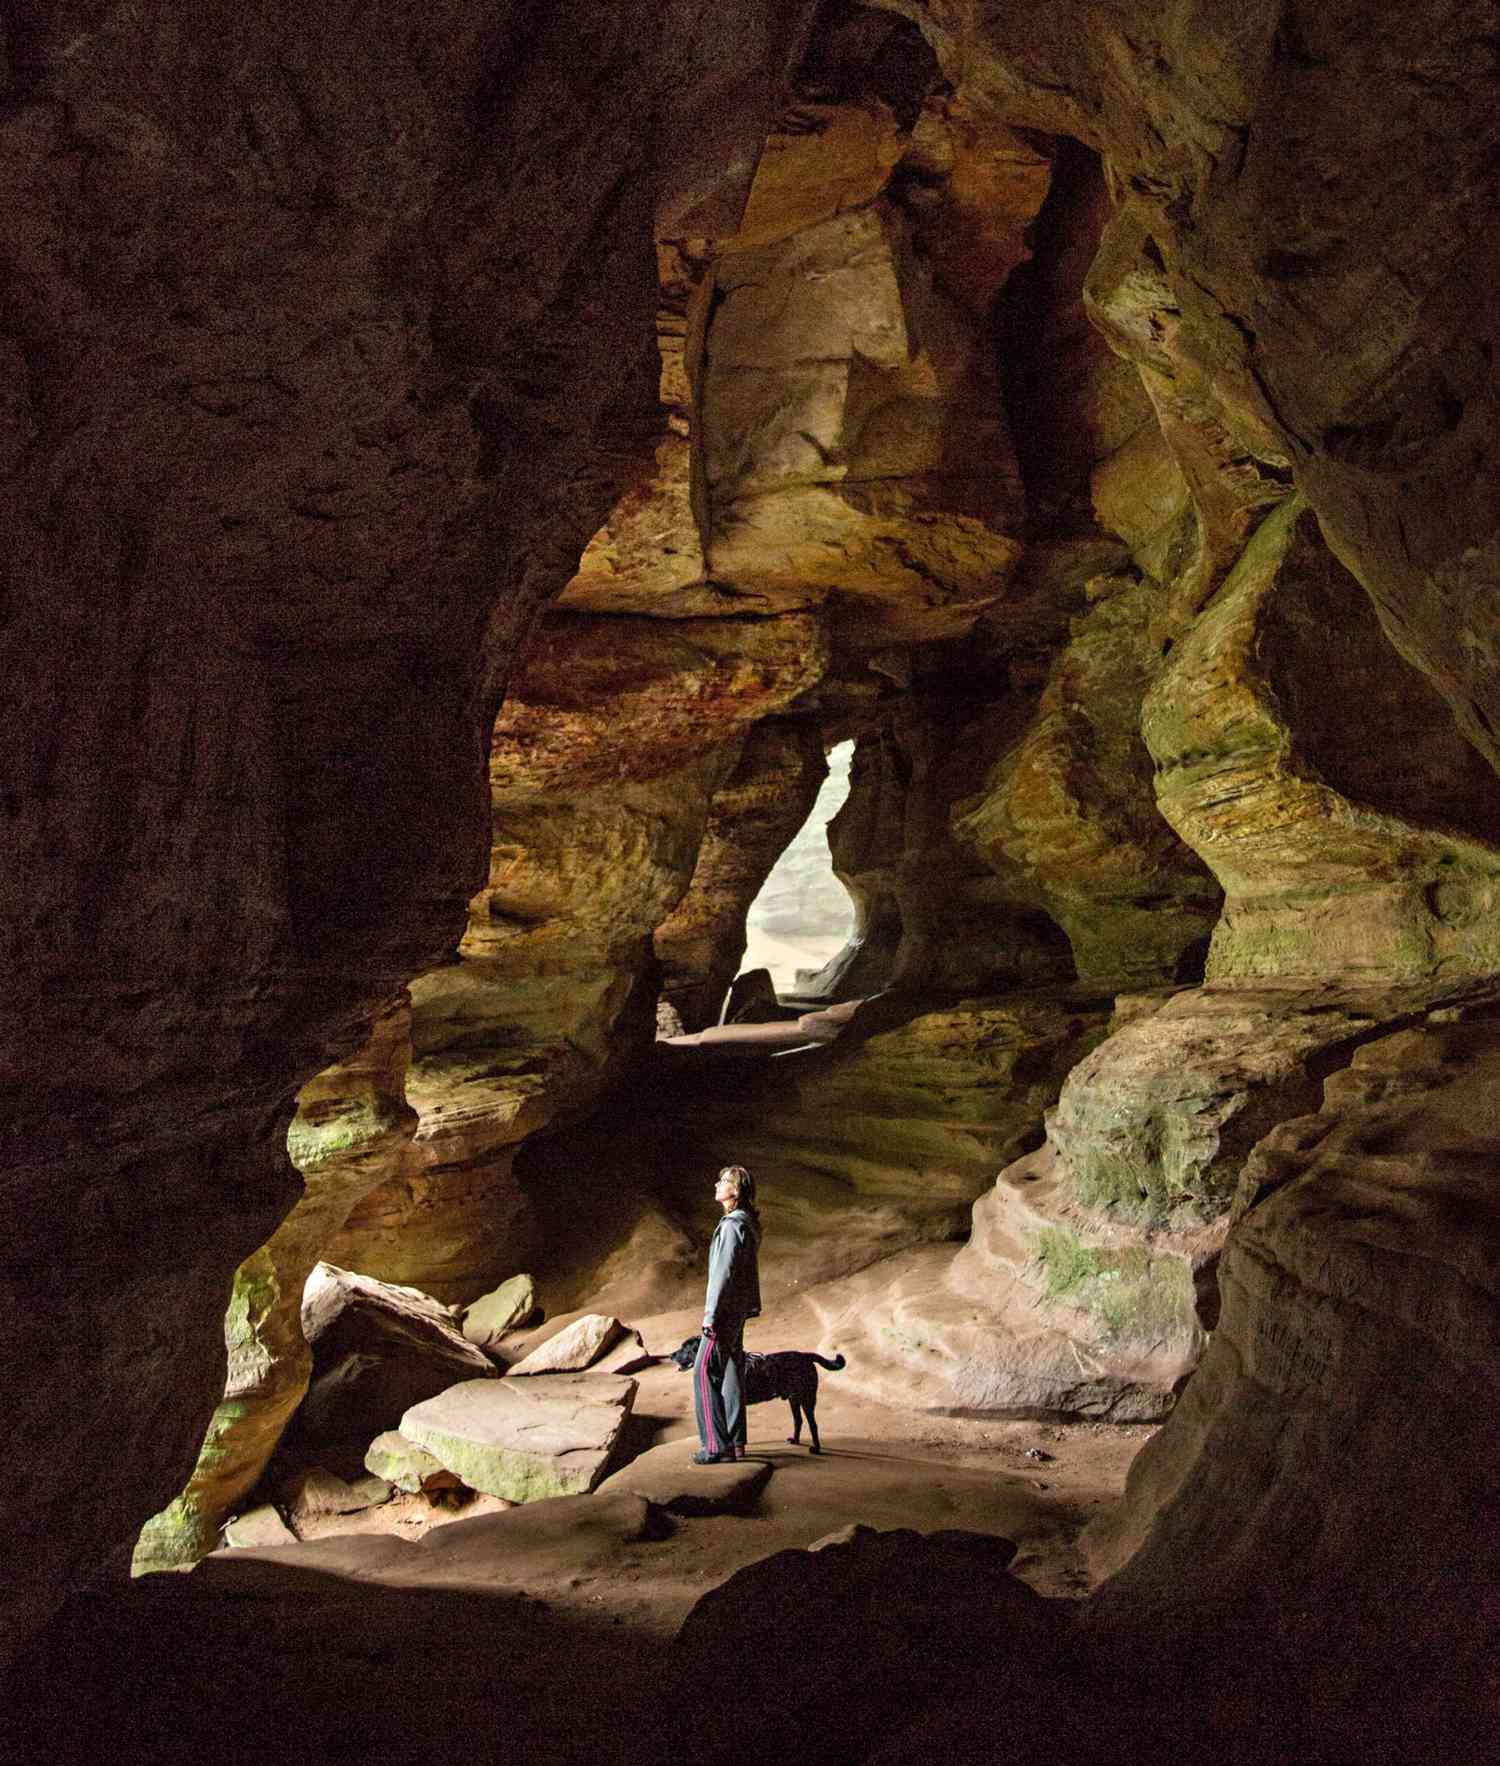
x: 1091, y: 413
x: 352, y: 1128
x: 328, y: 345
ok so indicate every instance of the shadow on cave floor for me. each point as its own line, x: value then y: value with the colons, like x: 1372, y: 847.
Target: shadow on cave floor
x: 551, y: 1650
x: 303, y: 1666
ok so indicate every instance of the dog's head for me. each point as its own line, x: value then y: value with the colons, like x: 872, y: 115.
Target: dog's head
x: 686, y: 1353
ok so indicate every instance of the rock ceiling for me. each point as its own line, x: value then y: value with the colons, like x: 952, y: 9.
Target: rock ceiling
x: 461, y: 467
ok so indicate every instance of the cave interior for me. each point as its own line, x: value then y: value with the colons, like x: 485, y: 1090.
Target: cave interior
x: 463, y: 470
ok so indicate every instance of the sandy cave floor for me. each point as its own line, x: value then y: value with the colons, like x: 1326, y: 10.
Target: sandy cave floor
x: 538, y: 1633
x: 880, y: 1465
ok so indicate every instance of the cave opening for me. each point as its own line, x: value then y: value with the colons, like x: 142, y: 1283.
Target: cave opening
x: 803, y: 916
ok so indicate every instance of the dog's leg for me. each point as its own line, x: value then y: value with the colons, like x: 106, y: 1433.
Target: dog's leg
x: 812, y: 1429
x: 795, y: 1438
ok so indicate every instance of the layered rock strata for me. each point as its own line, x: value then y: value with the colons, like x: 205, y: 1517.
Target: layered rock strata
x: 1354, y: 829
x: 328, y: 348
x: 592, y: 848
x: 1067, y: 816
x: 878, y: 1142
x: 1345, y: 1397
x: 824, y: 297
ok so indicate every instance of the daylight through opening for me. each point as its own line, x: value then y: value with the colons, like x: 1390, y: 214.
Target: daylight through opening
x: 803, y: 916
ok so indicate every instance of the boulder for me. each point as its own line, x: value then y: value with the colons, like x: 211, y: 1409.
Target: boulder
x: 524, y: 1439
x: 377, y: 1350
x: 399, y: 1462
x: 499, y: 1311
x: 574, y: 1347
x: 316, y: 1492
x: 259, y: 1527
x: 628, y: 1356
x: 667, y: 1477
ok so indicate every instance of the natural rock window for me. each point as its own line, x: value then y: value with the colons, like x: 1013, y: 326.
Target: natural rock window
x: 803, y: 915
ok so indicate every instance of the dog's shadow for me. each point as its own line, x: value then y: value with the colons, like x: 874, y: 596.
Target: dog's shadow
x: 788, y: 1455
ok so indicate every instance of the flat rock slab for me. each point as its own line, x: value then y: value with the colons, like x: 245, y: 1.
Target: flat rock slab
x: 524, y: 1439
x: 574, y: 1347
x: 536, y: 1546
x: 667, y: 1477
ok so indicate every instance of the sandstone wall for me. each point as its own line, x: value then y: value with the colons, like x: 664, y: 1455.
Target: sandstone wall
x: 328, y: 336
x: 1326, y: 1478
x: 328, y: 348
x: 554, y: 987
x: 352, y: 1131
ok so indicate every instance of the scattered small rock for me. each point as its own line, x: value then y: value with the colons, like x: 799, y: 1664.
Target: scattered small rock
x: 402, y: 1463
x: 574, y: 1347
x: 501, y: 1310
x: 258, y: 1527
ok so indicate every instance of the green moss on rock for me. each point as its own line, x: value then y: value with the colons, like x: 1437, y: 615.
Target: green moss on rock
x: 1134, y: 1296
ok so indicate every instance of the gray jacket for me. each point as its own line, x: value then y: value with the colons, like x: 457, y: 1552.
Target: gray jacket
x: 733, y: 1273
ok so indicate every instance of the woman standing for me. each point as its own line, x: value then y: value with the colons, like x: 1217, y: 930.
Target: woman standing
x: 733, y: 1296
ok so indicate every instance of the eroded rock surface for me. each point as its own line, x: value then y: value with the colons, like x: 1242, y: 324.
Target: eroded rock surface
x: 329, y: 348
x: 753, y: 816
x: 353, y: 1128
x: 1354, y: 829
x: 1346, y: 1394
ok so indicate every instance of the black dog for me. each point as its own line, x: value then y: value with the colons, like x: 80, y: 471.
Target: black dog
x: 791, y: 1374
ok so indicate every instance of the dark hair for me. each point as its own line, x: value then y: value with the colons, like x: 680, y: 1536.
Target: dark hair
x: 744, y: 1190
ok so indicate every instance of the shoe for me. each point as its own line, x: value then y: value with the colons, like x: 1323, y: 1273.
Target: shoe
x: 714, y: 1459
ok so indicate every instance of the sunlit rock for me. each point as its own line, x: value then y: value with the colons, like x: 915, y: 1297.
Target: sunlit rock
x: 405, y: 1465
x: 1354, y: 829
x: 574, y: 1347
x: 352, y: 1130
x: 524, y: 1439
x: 493, y: 1314
x: 377, y: 1350
x: 884, y: 1138
x: 592, y: 847
x: 852, y: 436
x: 667, y: 1478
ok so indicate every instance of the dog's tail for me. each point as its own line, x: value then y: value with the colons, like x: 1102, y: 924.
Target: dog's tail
x: 832, y: 1366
